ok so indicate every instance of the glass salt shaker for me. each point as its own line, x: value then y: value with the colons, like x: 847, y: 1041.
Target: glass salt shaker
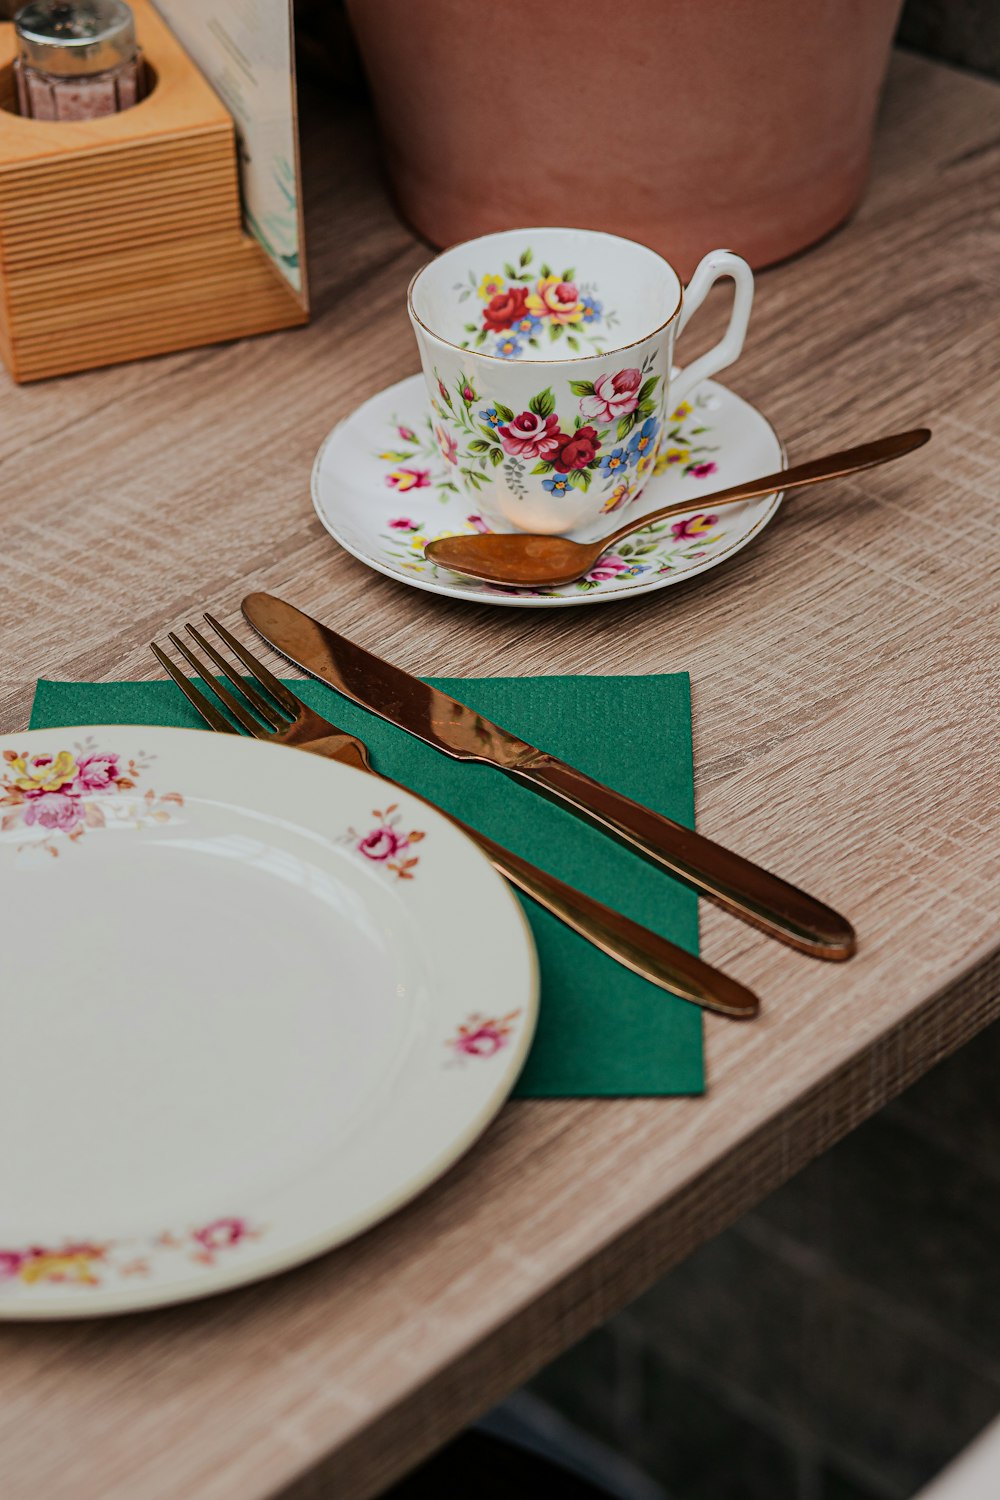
x: 77, y: 59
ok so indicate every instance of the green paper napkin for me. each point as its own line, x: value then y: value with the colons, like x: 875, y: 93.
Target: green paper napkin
x: 602, y: 1030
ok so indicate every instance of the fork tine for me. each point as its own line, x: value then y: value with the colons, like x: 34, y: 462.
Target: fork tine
x: 267, y: 710
x: 197, y: 700
x: 277, y: 689
x: 239, y: 713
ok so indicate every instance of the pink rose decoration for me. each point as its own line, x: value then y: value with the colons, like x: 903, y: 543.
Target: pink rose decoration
x: 221, y: 1233
x: 531, y: 436
x: 483, y: 1042
x: 54, y: 810
x: 557, y: 300
x: 448, y: 445
x: 97, y: 773
x: 478, y: 524
x: 402, y: 523
x: 702, y: 471
x: 407, y: 434
x: 691, y: 527
x: 408, y: 478
x: 10, y: 1263
x: 609, y: 567
x: 382, y: 843
x: 614, y: 396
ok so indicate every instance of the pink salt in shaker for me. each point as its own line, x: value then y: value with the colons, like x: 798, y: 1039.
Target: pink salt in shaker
x: 77, y: 59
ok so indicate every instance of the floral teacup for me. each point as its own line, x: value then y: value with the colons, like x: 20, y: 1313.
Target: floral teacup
x: 548, y: 355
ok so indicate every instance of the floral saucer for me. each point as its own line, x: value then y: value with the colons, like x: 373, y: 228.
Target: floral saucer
x: 383, y: 486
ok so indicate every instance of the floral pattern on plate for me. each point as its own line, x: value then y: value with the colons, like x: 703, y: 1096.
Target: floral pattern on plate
x: 528, y: 309
x: 62, y: 795
x: 482, y: 1036
x: 87, y: 1263
x: 386, y: 844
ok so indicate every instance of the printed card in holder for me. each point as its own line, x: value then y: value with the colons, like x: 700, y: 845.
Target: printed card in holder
x: 247, y: 52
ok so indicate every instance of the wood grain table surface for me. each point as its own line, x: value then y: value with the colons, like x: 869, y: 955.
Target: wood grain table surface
x: 844, y: 672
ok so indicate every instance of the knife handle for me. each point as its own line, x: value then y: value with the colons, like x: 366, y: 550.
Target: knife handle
x: 732, y: 882
x: 644, y: 952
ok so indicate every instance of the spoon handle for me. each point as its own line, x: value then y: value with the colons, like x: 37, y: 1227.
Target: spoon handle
x: 848, y: 461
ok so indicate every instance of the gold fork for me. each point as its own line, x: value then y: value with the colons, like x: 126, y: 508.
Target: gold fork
x: 289, y: 721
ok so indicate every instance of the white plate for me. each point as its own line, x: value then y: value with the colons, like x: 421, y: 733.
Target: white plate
x: 383, y: 488
x: 253, y: 1001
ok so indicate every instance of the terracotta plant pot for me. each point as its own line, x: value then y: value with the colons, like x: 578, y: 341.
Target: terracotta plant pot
x: 684, y: 124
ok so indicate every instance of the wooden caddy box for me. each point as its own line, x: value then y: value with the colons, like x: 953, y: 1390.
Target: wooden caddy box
x: 123, y: 237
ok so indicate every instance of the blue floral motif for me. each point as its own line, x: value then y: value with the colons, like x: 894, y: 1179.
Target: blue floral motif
x: 592, y: 309
x: 508, y: 346
x: 643, y: 441
x: 615, y: 461
x: 527, y: 326
x: 490, y: 418
x: 558, y: 484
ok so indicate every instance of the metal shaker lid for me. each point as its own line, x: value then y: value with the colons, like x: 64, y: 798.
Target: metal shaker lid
x: 74, y: 37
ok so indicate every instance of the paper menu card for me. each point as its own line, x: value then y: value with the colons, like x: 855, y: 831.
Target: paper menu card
x: 246, y: 50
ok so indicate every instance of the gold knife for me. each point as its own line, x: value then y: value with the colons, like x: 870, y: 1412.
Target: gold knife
x: 638, y: 948
x: 732, y: 882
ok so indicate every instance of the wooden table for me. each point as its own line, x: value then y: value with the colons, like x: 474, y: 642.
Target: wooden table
x: 845, y: 734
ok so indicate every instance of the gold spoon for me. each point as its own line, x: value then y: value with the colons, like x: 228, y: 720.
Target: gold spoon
x: 522, y: 558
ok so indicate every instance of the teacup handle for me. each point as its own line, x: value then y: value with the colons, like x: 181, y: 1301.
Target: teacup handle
x: 715, y: 264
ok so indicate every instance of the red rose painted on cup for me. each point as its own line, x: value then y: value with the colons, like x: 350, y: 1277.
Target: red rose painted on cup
x: 531, y: 435
x: 576, y: 449
x: 503, y: 310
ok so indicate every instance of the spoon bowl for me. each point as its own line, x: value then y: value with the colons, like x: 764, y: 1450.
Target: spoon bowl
x: 517, y: 557
x: 522, y: 559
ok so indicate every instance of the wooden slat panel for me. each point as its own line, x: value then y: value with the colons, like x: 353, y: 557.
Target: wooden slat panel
x: 129, y: 241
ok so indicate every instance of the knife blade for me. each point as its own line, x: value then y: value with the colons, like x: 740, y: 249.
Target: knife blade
x: 737, y: 884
